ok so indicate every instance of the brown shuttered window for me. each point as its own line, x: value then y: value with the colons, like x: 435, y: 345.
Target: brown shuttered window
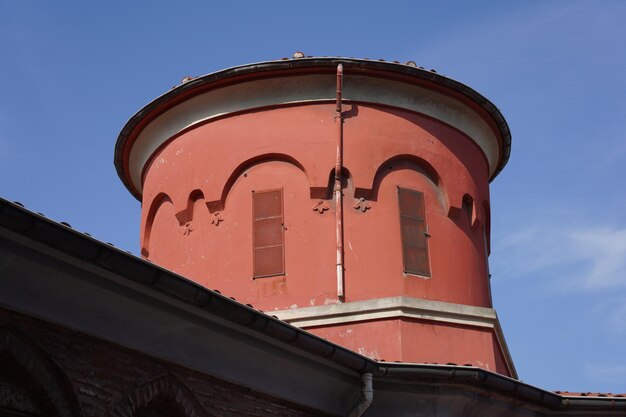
x: 267, y: 233
x: 414, y: 232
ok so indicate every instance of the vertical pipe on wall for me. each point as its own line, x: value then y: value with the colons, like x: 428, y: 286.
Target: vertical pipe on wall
x: 337, y: 189
x: 367, y: 396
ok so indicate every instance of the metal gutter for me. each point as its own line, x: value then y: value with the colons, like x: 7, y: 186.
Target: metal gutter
x: 62, y: 237
x: 472, y: 376
x: 327, y: 63
x: 594, y: 403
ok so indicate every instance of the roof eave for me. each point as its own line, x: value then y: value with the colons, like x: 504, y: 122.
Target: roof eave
x: 150, y: 277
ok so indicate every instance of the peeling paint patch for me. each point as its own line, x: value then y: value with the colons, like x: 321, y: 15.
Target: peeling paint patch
x: 373, y: 354
x: 159, y: 162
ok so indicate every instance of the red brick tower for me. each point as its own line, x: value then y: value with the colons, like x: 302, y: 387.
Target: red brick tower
x: 354, y: 204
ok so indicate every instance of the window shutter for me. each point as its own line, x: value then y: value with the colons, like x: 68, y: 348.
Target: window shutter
x: 267, y: 233
x: 413, y: 232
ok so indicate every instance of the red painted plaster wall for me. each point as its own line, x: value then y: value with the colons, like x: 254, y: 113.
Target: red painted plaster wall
x: 197, y: 217
x: 419, y: 341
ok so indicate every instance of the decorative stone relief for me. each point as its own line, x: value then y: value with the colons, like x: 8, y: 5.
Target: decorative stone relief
x: 217, y: 218
x: 165, y: 391
x: 321, y: 206
x: 362, y: 205
x: 187, y: 229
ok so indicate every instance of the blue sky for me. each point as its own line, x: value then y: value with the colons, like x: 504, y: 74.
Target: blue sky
x: 73, y: 72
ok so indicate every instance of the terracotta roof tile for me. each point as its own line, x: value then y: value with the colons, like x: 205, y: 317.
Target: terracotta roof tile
x: 589, y: 394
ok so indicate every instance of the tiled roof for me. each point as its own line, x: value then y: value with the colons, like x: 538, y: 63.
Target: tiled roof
x: 590, y: 394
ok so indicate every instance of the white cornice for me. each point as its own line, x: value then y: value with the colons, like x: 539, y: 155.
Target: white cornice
x: 399, y: 307
x: 389, y: 307
x: 308, y: 89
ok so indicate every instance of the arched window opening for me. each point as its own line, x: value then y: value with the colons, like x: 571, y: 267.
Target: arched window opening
x: 163, y: 396
x: 468, y: 208
x: 31, y: 385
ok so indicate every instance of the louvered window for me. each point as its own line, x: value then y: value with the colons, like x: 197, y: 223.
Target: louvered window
x: 414, y: 232
x: 267, y: 233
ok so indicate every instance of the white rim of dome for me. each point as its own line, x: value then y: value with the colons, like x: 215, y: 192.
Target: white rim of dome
x: 196, y: 102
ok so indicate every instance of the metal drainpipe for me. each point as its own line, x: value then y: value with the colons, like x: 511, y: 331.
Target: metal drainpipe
x: 367, y: 395
x: 337, y: 189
